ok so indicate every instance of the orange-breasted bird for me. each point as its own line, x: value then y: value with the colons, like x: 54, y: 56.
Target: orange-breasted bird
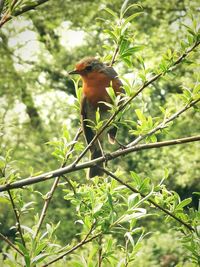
x: 96, y: 77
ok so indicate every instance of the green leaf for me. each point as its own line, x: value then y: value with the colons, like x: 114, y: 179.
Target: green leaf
x: 98, y: 116
x: 132, y: 200
x: 140, y: 115
x: 130, y: 18
x: 130, y: 238
x: 183, y: 203
x: 97, y: 207
x: 137, y: 213
x: 137, y: 179
x: 124, y: 9
x: 39, y: 258
x: 112, y: 13
x: 153, y: 138
x: 111, y: 93
x: 112, y: 35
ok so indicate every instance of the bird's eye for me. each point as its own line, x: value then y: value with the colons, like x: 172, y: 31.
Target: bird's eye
x: 88, y: 68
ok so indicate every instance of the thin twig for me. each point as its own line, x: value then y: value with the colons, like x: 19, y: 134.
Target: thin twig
x: 70, y: 184
x: 164, y: 123
x: 17, y: 218
x: 149, y: 200
x: 11, y: 244
x: 88, y: 164
x: 80, y: 244
x: 8, y: 16
x: 100, y: 259
x: 53, y: 188
x: 114, y: 55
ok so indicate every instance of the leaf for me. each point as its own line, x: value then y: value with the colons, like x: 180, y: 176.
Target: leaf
x: 153, y: 138
x: 98, y: 116
x: 28, y: 229
x: 39, y: 258
x: 136, y: 178
x: 130, y: 18
x: 112, y: 35
x: 183, y: 203
x: 132, y: 200
x: 97, y: 208
x: 110, y: 201
x: 112, y: 13
x: 111, y: 93
x: 124, y: 9
x: 130, y: 238
x: 135, y: 215
x: 140, y: 115
x: 196, y: 89
x: 130, y: 51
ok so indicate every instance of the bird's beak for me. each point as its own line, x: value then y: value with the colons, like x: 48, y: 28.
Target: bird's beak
x: 74, y: 72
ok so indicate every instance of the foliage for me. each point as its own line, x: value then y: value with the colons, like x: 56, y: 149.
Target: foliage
x: 145, y: 212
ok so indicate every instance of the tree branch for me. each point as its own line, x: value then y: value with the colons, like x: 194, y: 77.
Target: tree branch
x: 88, y: 164
x: 163, y: 124
x: 11, y: 244
x: 149, y: 200
x: 17, y: 218
x: 9, y: 15
x: 81, y: 244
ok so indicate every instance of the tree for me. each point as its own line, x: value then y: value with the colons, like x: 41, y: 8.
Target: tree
x: 114, y: 215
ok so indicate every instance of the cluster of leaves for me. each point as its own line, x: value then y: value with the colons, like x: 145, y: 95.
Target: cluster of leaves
x: 121, y: 35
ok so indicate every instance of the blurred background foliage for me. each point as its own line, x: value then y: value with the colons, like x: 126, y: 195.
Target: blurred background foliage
x: 37, y: 101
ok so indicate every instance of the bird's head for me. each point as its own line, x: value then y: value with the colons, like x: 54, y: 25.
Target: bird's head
x: 88, y: 65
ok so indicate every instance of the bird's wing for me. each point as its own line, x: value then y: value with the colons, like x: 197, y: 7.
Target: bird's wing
x: 88, y: 133
x: 110, y: 72
x: 118, y: 87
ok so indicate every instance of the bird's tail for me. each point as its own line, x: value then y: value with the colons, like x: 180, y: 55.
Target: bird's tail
x: 96, y: 152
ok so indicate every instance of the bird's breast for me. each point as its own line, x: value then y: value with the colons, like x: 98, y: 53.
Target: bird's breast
x: 94, y: 87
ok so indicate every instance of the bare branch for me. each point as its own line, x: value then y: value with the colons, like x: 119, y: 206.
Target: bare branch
x: 114, y: 55
x: 17, y: 218
x: 11, y: 244
x: 100, y: 250
x: 88, y: 164
x: 149, y: 200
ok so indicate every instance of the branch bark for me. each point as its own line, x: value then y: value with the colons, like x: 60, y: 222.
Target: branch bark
x: 11, y: 244
x: 88, y: 164
x: 17, y: 218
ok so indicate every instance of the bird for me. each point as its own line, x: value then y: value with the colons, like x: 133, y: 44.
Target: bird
x: 96, y: 77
